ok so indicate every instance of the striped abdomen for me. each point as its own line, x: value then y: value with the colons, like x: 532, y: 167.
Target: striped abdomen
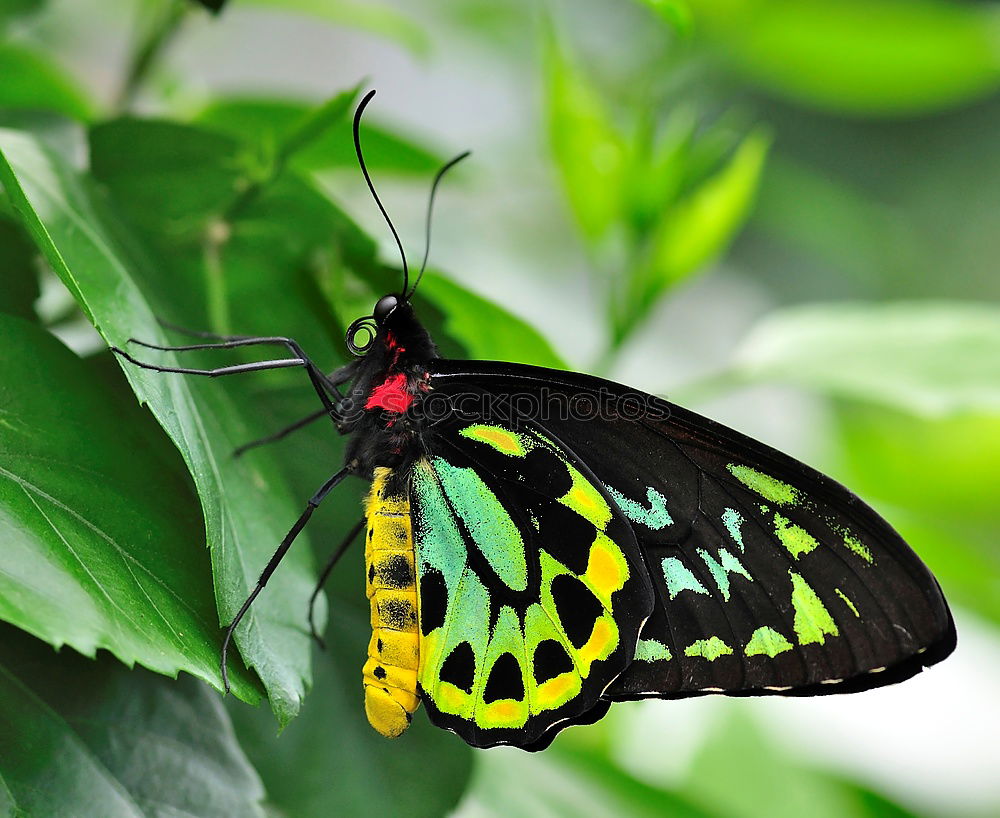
x: 390, y: 674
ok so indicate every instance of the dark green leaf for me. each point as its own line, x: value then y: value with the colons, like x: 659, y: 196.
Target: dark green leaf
x: 18, y: 272
x: 484, y: 329
x: 315, y: 123
x: 17, y: 8
x: 331, y: 762
x: 932, y: 359
x: 270, y: 121
x: 211, y: 5
x: 95, y: 556
x: 861, y: 57
x: 79, y: 737
x: 32, y: 82
x: 247, y: 508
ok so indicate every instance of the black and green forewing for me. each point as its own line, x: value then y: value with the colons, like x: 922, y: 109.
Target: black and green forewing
x: 532, y: 589
x: 769, y: 577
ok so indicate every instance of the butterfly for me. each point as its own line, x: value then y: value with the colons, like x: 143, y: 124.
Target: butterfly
x: 540, y: 544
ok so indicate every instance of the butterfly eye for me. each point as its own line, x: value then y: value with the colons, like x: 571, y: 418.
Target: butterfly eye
x: 385, y: 305
x: 361, y: 335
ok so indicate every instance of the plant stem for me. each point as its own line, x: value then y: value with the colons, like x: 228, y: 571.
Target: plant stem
x: 149, y: 50
x: 217, y: 301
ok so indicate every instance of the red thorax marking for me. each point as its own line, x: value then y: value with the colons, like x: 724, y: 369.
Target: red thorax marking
x: 391, y: 395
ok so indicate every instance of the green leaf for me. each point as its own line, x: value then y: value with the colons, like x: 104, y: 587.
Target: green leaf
x: 676, y: 13
x: 858, y: 57
x: 484, y: 329
x: 315, y: 123
x: 17, y: 8
x: 511, y: 782
x: 247, y: 508
x: 32, y: 82
x: 270, y: 120
x: 763, y: 781
x: 93, y: 558
x: 79, y: 737
x: 422, y: 773
x: 18, y: 272
x: 936, y: 481
x: 698, y: 228
x: 211, y: 5
x: 589, y: 150
x: 932, y: 359
x: 381, y: 20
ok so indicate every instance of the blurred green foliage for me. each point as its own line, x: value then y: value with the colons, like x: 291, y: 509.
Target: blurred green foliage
x: 829, y: 151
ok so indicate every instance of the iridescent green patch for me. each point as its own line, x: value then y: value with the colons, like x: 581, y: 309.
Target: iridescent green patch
x: 655, y: 517
x: 491, y: 527
x: 812, y: 620
x: 711, y: 648
x: 847, y: 602
x: 650, y: 650
x: 679, y: 578
x: 721, y: 569
x: 797, y: 540
x: 766, y: 642
x: 770, y: 488
x: 732, y: 520
x: 859, y: 548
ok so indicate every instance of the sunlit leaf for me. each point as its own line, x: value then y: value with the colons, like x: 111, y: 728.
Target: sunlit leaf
x: 589, y: 150
x: 31, y: 81
x: 246, y: 507
x: 868, y: 57
x: 93, y: 557
x: 79, y: 737
x: 677, y: 13
x: 267, y: 119
x: 382, y: 20
x: 699, y: 227
x: 330, y: 761
x: 930, y: 358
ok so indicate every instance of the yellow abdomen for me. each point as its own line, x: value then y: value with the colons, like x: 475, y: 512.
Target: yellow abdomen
x: 390, y: 674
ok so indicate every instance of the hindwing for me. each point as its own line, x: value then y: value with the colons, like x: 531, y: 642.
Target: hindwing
x: 531, y: 587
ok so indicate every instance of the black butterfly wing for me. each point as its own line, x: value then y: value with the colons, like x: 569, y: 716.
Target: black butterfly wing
x: 769, y: 576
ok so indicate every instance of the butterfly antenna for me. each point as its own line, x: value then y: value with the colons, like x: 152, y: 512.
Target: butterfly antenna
x: 371, y: 186
x: 430, y: 211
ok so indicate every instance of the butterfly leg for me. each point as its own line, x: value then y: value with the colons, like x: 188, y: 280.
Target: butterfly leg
x: 276, y: 558
x: 324, y: 386
x: 338, y: 376
x: 334, y: 559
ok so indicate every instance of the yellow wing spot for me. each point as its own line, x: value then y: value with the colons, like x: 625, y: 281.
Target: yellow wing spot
x: 607, y: 569
x: 500, y: 439
x: 555, y: 692
x: 587, y: 501
x: 504, y: 713
x: 600, y: 645
x: 451, y: 699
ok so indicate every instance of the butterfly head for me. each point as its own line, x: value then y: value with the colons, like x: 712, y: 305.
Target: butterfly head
x: 386, y: 306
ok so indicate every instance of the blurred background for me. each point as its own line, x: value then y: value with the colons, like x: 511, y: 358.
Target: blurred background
x: 784, y: 214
